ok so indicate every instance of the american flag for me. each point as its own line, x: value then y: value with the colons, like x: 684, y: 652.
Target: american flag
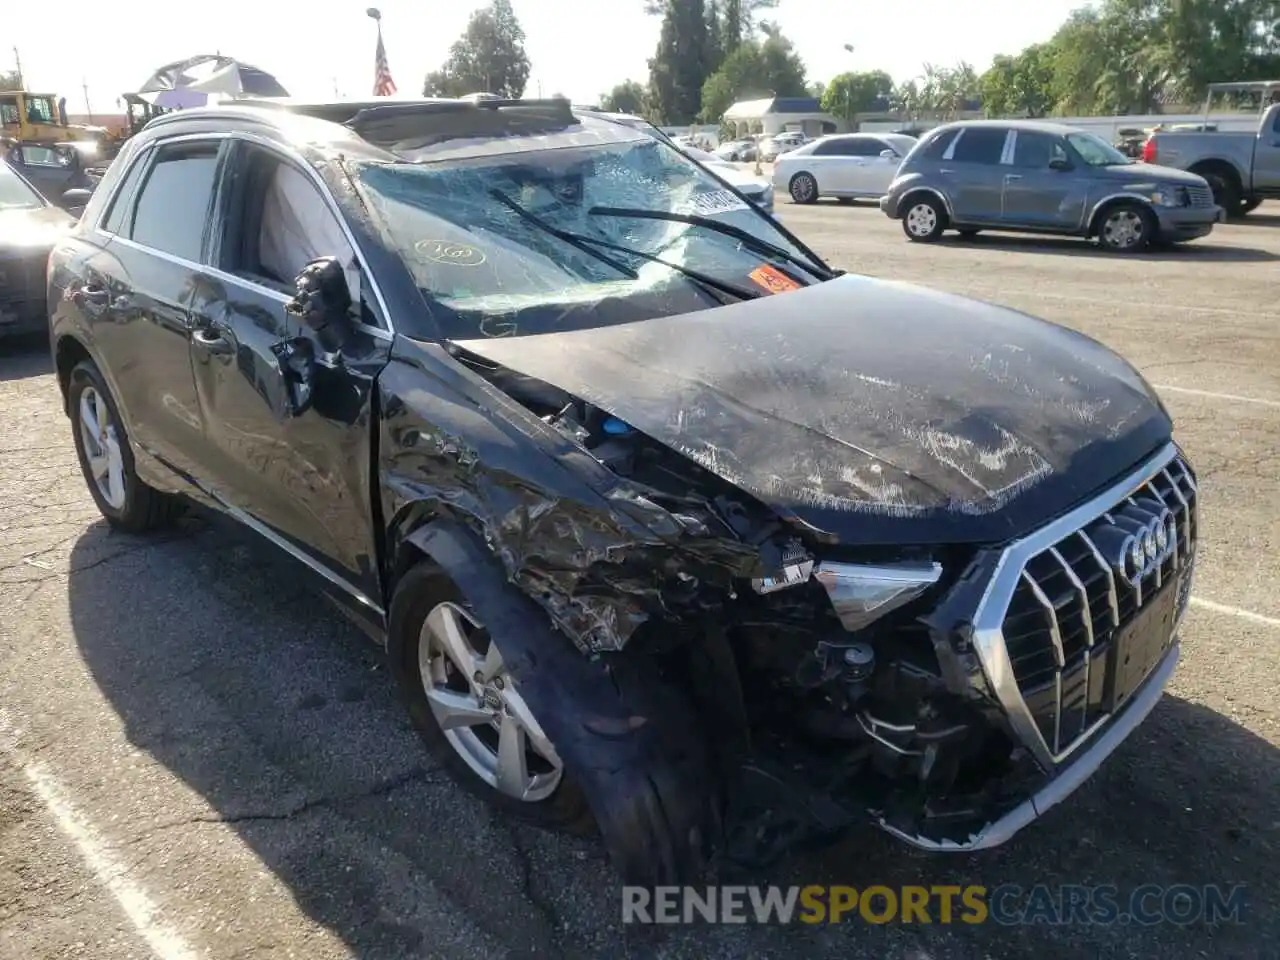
x: 383, y: 85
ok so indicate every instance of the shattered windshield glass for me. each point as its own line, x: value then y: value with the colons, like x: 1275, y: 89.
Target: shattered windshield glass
x: 507, y: 244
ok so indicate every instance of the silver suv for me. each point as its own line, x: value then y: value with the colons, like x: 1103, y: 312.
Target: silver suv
x: 1039, y: 177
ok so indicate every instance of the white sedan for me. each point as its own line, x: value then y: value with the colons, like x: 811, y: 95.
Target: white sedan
x: 844, y: 165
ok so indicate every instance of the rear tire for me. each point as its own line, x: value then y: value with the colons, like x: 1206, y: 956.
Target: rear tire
x: 1249, y: 205
x: 106, y: 458
x: 923, y: 218
x: 1226, y: 193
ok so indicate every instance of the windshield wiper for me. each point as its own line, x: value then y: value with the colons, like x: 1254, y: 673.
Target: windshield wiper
x: 570, y: 238
x: 742, y: 293
x: 749, y: 240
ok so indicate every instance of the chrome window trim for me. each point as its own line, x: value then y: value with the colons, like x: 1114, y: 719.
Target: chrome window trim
x: 988, y: 618
x: 289, y: 156
x: 1010, y: 144
x: 950, y: 152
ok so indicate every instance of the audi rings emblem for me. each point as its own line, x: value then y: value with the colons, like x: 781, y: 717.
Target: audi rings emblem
x: 1139, y: 540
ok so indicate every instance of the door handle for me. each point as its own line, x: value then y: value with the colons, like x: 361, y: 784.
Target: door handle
x: 1012, y: 176
x: 946, y: 170
x: 212, y: 341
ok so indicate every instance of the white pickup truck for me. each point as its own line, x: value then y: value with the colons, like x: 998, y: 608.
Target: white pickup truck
x: 1243, y: 168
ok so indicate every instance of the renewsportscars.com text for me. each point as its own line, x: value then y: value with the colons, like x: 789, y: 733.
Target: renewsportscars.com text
x: 1007, y: 904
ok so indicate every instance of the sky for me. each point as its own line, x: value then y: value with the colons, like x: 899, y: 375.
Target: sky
x: 113, y: 47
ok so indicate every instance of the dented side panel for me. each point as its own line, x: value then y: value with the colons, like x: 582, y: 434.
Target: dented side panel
x: 592, y: 551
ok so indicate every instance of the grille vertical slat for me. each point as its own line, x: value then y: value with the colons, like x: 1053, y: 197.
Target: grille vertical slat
x: 1069, y: 584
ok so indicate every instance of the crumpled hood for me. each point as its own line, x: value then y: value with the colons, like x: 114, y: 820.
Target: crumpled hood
x: 1153, y: 174
x: 874, y: 411
x: 25, y: 227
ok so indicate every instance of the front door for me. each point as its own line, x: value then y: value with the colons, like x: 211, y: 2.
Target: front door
x: 1039, y: 196
x: 1266, y: 155
x: 973, y: 174
x: 299, y: 468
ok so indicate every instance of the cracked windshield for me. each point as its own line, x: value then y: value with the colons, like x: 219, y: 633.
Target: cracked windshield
x: 518, y: 244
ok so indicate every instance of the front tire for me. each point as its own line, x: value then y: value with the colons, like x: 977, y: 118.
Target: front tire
x: 106, y: 458
x: 804, y: 188
x: 923, y: 219
x: 1127, y: 228
x: 468, y: 711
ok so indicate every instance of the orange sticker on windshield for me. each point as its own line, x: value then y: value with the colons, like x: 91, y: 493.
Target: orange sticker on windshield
x: 773, y: 279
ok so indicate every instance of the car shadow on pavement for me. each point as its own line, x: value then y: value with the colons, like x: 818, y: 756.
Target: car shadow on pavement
x: 1257, y: 219
x: 1193, y: 251
x: 24, y: 356
x: 223, y: 667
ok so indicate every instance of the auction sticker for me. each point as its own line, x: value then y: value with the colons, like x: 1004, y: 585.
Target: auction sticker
x: 717, y: 201
x: 773, y: 279
x: 453, y: 254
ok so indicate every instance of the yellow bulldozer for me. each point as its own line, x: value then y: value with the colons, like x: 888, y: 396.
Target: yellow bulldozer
x: 40, y: 120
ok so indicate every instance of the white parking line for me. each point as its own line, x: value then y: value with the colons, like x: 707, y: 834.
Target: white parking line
x: 109, y: 870
x: 1216, y: 396
x: 1236, y: 612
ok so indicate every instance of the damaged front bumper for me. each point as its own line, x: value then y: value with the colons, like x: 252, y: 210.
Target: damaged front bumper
x: 1001, y: 830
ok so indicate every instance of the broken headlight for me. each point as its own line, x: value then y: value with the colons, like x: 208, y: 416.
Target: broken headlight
x: 863, y: 593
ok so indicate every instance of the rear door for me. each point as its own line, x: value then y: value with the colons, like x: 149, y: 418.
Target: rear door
x: 302, y: 477
x: 834, y: 163
x: 974, y: 176
x: 1036, y: 195
x: 137, y: 291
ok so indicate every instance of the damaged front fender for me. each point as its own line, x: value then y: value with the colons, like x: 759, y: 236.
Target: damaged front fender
x: 591, y: 549
x: 629, y: 741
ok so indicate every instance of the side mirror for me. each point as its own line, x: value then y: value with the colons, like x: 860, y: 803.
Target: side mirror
x: 888, y: 155
x: 323, y: 302
x: 1058, y: 163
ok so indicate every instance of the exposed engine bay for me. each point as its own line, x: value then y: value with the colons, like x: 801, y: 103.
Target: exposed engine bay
x: 888, y: 717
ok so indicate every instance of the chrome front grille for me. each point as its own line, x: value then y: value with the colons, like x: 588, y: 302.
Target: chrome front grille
x: 1200, y: 196
x: 1046, y: 626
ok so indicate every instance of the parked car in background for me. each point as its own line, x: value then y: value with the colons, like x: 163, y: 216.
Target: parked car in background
x: 1040, y: 177
x: 53, y: 170
x: 844, y: 165
x: 29, y: 227
x: 737, y: 151
x: 671, y: 534
x: 773, y: 147
x: 1242, y: 167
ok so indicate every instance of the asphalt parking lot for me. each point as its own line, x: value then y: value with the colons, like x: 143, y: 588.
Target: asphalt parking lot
x: 198, y: 759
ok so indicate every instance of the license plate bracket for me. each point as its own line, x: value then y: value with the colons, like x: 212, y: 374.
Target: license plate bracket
x: 1140, y: 644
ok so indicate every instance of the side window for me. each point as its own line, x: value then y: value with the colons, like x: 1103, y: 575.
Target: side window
x: 862, y: 147
x: 829, y: 148
x: 1035, y: 150
x: 278, y: 222
x: 114, y: 221
x: 983, y: 145
x: 174, y: 205
x: 9, y: 111
x: 937, y: 143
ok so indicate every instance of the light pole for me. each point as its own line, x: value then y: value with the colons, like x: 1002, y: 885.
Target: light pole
x: 848, y: 92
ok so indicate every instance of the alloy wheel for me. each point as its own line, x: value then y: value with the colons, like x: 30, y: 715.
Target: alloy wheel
x: 479, y: 708
x: 101, y: 443
x: 1124, y: 229
x: 922, y: 220
x: 804, y: 188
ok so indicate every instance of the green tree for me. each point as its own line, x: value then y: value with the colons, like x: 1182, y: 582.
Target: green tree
x: 626, y: 97
x: 849, y: 94
x: 489, y: 57
x: 681, y: 64
x: 757, y: 69
x: 1019, y: 86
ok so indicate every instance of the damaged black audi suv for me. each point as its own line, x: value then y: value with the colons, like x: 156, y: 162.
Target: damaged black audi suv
x: 672, y: 534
